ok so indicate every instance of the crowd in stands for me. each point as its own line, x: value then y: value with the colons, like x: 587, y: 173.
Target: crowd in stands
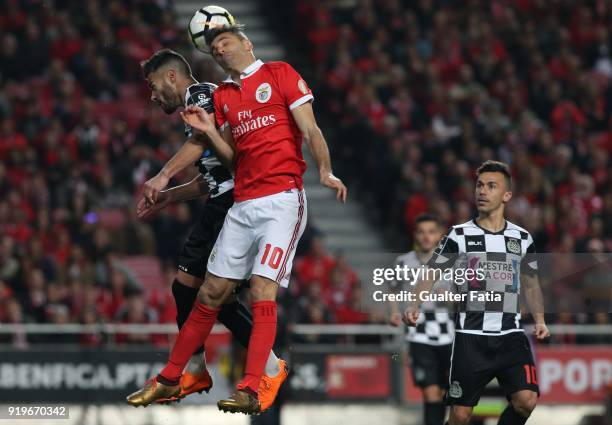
x: 420, y: 93
x: 77, y: 141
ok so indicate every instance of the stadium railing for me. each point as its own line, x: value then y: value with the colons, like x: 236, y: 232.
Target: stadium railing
x: 346, y: 330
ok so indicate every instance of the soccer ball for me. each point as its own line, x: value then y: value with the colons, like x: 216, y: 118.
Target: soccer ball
x: 206, y: 19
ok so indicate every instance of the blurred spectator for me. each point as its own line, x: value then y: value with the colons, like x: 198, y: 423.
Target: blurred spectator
x: 58, y: 314
x: 343, y: 282
x: 316, y: 265
x: 351, y: 312
x: 14, y: 314
x: 135, y: 311
x: 9, y: 265
x: 34, y: 298
x: 312, y: 309
x: 90, y: 316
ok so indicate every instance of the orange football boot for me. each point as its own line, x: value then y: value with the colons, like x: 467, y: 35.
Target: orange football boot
x: 191, y: 383
x: 269, y: 386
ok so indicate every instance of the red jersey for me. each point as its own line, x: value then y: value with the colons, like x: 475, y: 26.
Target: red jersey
x: 268, y: 142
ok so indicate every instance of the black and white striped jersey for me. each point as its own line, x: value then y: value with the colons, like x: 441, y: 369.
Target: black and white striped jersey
x: 218, y: 178
x: 490, y: 300
x: 434, y: 325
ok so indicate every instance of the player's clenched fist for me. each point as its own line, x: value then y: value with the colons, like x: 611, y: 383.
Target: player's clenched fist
x: 411, y: 315
x: 153, y: 186
x: 198, y: 118
x: 540, y: 330
x: 333, y: 182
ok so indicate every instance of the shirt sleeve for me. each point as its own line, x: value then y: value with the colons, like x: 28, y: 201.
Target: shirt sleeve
x: 529, y: 263
x: 446, y: 253
x: 220, y: 117
x: 294, y: 89
x: 200, y: 95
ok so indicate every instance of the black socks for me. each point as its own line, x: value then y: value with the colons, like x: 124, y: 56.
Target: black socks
x: 511, y: 417
x: 238, y: 320
x: 184, y: 298
x: 434, y: 413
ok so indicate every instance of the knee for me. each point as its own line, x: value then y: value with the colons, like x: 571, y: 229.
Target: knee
x: 263, y: 290
x: 525, y: 404
x: 460, y: 415
x: 257, y: 293
x: 433, y: 394
x: 212, y: 293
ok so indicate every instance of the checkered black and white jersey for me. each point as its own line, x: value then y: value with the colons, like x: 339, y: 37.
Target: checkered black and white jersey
x: 434, y: 325
x: 218, y: 178
x: 489, y: 306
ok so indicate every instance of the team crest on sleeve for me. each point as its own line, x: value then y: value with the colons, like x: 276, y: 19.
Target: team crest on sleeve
x: 202, y: 99
x: 513, y: 246
x: 263, y: 92
x: 302, y: 86
x: 225, y: 108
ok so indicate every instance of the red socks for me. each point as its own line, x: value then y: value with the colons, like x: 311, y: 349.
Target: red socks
x: 197, y: 328
x: 192, y: 335
x: 260, y: 343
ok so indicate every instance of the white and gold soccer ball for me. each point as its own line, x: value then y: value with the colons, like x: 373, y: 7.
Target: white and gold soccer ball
x: 206, y: 19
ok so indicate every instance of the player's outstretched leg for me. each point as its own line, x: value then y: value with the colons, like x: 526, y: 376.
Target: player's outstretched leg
x: 195, y: 377
x: 193, y: 334
x: 238, y: 319
x: 245, y: 399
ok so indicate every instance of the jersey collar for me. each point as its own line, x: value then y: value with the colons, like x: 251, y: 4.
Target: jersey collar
x: 501, y: 232
x: 248, y: 71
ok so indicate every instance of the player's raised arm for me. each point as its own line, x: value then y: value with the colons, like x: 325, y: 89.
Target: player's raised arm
x: 188, y: 154
x: 313, y: 137
x: 222, y: 143
x: 185, y: 192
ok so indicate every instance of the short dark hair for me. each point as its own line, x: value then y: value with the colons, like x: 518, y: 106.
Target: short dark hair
x: 423, y: 218
x: 490, y: 166
x: 164, y: 57
x: 237, y: 29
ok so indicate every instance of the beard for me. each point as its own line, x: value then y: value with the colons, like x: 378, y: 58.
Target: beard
x: 168, y: 109
x: 167, y: 100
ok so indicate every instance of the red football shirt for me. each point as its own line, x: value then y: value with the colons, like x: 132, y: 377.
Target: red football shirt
x: 268, y: 142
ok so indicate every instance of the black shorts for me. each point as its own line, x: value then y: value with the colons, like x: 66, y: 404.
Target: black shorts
x: 477, y: 359
x: 196, y: 250
x: 430, y: 364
